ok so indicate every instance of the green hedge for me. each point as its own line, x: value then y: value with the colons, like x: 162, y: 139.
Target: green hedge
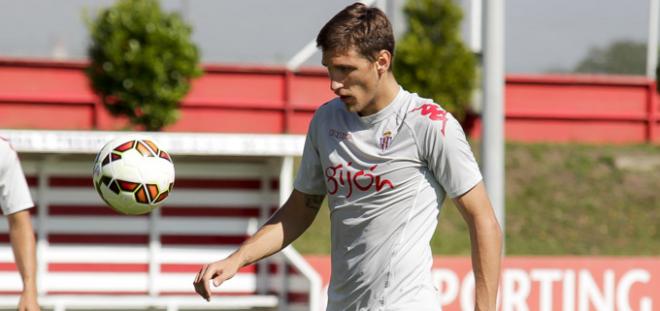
x: 142, y: 61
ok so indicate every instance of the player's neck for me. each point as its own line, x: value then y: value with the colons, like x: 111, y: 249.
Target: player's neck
x: 387, y: 90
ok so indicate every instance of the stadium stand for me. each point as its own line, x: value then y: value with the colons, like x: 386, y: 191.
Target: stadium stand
x: 90, y: 257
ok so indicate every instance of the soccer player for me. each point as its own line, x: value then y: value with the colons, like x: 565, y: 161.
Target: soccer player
x: 15, y: 201
x: 386, y: 158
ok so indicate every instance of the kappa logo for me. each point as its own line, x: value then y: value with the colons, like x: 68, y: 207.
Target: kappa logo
x: 386, y: 140
x: 339, y: 134
x: 435, y: 113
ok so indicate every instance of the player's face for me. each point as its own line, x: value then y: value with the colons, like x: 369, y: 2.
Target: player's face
x: 353, y: 78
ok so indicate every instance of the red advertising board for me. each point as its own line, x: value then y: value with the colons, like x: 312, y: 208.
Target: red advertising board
x: 548, y: 283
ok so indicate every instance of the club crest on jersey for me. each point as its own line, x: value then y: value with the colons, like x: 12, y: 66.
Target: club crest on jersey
x: 386, y: 140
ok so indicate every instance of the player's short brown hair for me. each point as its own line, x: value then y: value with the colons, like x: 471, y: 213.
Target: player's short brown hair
x: 367, y: 29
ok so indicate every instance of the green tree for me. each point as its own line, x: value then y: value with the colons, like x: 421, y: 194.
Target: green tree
x: 142, y: 61
x: 431, y: 58
x: 620, y: 57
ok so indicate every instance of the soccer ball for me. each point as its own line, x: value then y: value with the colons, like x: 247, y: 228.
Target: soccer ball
x: 133, y: 175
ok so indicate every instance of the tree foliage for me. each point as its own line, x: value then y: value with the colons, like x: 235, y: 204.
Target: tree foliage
x: 142, y: 61
x: 619, y: 57
x: 431, y: 58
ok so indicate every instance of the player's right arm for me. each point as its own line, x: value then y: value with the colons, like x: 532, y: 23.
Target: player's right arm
x: 15, y: 200
x: 21, y: 235
x: 285, y: 226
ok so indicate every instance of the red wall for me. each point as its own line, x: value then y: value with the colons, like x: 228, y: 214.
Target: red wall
x: 580, y: 108
x: 55, y: 95
x: 51, y: 95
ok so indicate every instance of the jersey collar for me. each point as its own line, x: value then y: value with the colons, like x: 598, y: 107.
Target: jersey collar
x: 385, y: 112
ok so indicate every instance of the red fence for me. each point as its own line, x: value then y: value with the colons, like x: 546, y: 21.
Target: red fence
x: 581, y: 108
x: 56, y: 95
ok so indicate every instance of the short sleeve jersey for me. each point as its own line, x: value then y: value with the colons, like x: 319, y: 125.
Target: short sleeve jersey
x: 386, y: 176
x: 14, y: 192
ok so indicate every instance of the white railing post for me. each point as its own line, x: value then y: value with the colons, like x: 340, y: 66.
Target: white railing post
x: 315, y: 283
x: 154, y: 252
x: 286, y: 179
x: 652, y: 42
x: 284, y: 283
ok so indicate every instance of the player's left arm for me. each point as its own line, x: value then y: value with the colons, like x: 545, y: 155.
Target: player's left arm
x: 486, y: 243
x: 23, y: 245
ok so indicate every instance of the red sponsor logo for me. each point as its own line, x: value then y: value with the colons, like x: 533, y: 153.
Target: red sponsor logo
x: 340, y: 176
x: 434, y: 113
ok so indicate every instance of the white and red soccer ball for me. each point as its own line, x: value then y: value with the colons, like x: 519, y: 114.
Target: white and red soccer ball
x: 133, y: 175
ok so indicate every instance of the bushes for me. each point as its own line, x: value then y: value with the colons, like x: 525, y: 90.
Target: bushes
x: 432, y: 60
x: 142, y: 61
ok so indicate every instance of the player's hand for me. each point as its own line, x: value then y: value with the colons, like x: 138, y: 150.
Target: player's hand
x: 28, y: 302
x: 218, y: 271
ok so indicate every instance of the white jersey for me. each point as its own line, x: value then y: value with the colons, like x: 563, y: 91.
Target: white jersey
x: 386, y: 176
x: 14, y: 191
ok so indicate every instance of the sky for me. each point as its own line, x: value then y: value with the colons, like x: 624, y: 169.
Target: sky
x: 540, y: 35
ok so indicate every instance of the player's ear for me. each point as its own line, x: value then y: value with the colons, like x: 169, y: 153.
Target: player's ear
x: 383, y: 61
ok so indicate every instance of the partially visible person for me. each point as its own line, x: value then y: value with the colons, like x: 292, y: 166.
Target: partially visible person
x: 16, y: 201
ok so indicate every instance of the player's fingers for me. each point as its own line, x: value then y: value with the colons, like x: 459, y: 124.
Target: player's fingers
x: 199, y: 291
x: 218, y: 280
x: 206, y: 278
x: 221, y: 278
x: 199, y: 287
x: 201, y: 273
x: 196, y: 285
x: 196, y: 279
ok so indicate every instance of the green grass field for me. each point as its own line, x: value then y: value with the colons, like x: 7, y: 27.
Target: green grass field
x: 561, y: 199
